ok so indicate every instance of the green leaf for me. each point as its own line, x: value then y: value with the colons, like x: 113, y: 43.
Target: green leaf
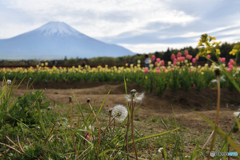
x: 221, y: 133
x: 155, y: 135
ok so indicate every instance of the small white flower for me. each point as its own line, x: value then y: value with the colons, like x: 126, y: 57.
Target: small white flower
x: 119, y: 112
x: 135, y: 98
x: 160, y: 149
x: 90, y: 127
x: 236, y: 114
x: 9, y: 81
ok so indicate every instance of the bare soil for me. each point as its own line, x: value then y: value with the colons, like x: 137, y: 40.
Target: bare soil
x: 153, y: 106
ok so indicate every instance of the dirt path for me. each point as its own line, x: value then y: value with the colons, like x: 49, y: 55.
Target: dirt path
x: 153, y: 106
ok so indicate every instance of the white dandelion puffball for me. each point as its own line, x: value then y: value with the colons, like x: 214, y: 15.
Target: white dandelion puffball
x: 9, y: 81
x: 119, y: 112
x: 136, y: 98
x: 236, y: 114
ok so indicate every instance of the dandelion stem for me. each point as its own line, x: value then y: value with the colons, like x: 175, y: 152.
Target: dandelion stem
x: 217, y: 116
x: 99, y: 132
x: 50, y: 132
x: 107, y: 126
x: 127, y: 134
x: 114, y: 126
x: 70, y: 102
x: 134, y: 145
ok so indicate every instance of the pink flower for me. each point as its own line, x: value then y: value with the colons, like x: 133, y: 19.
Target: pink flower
x: 158, y: 60
x: 162, y: 62
x: 174, y: 63
x: 208, y: 56
x: 182, y: 59
x: 231, y: 67
x: 172, y: 56
x: 194, y: 85
x: 153, y: 58
x: 179, y: 59
x: 156, y: 63
x: 223, y: 59
x: 232, y: 61
x: 194, y: 60
x: 185, y: 52
x: 158, y: 71
x: 229, y: 70
x: 175, y: 60
x: 191, y: 70
x: 146, y: 70
x: 197, y: 57
x: 189, y: 57
x: 179, y: 54
x: 166, y: 72
x: 171, y: 69
x: 163, y: 69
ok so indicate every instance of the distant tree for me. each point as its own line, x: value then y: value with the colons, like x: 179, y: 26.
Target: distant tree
x: 157, y: 54
x: 167, y: 55
x: 65, y: 58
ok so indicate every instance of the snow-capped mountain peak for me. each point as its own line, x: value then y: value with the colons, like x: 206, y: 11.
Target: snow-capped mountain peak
x: 55, y: 40
x: 58, y: 28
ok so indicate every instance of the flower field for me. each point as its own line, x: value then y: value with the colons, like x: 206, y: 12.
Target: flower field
x: 40, y: 124
x: 182, y: 74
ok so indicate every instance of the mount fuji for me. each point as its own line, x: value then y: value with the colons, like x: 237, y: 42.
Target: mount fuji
x: 55, y: 40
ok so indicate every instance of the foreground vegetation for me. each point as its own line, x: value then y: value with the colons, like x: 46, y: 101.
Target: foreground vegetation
x: 30, y: 130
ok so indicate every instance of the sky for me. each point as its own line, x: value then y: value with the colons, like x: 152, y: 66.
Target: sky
x: 138, y: 25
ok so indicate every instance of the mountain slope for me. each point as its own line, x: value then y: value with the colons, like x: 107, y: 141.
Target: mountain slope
x: 55, y: 40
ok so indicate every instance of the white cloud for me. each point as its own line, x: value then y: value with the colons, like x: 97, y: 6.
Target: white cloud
x: 147, y: 48
x: 89, y: 16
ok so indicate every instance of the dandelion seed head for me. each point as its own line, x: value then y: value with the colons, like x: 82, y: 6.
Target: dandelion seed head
x: 217, y: 72
x: 135, y: 98
x: 88, y: 100
x: 70, y: 99
x: 119, y: 112
x: 236, y: 114
x: 133, y: 92
x: 110, y: 110
x: 9, y: 81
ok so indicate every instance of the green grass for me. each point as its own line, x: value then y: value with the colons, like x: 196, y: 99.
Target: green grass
x: 51, y: 136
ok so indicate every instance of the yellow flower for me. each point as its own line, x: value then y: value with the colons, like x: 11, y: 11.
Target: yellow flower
x: 146, y: 77
x: 139, y: 61
x: 233, y: 52
x: 218, y: 51
x: 126, y: 64
x: 202, y: 73
x: 209, y: 50
x: 46, y: 63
